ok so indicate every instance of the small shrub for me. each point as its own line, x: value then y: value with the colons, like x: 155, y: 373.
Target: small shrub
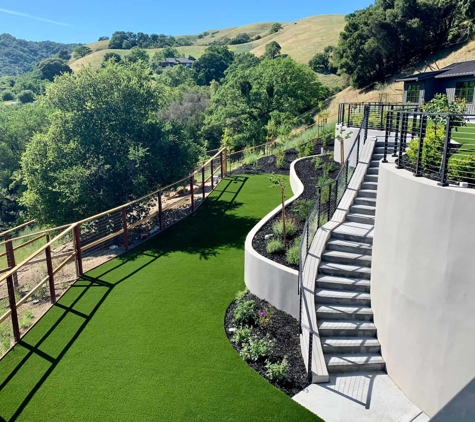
x: 244, y: 313
x: 7, y: 96
x: 329, y: 167
x: 318, y: 161
x: 304, y: 149
x: 302, y: 208
x: 279, y: 158
x: 290, y: 227
x: 461, y: 168
x: 240, y: 296
x: 277, y: 371
x: 255, y: 349
x: 265, y: 316
x: 26, y: 96
x: 242, y: 335
x: 293, y: 253
x: 26, y: 319
x: 40, y: 293
x: 274, y: 246
x: 324, y: 187
x: 250, y: 158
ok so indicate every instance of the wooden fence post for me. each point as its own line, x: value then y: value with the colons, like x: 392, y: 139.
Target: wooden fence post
x: 49, y: 266
x: 11, y: 259
x: 125, y: 228
x: 203, y: 187
x: 211, y: 168
x: 77, y: 245
x: 192, y: 187
x: 12, y: 300
x: 221, y: 158
x: 160, y: 213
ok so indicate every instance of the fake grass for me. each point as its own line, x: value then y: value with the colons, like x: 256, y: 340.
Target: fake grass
x: 141, y: 337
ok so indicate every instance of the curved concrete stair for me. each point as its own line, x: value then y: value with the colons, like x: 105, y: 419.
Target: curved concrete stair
x: 354, y: 362
x: 339, y: 328
x: 347, y: 258
x: 363, y: 209
x: 342, y: 297
x: 327, y: 311
x: 350, y: 345
x: 360, y: 218
x: 349, y: 246
x: 341, y: 270
x: 343, y: 283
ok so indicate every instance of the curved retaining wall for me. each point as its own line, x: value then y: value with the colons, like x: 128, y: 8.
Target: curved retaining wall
x: 267, y: 279
x: 423, y: 289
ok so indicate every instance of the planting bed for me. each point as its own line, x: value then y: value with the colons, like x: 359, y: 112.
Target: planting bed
x: 309, y: 177
x: 285, y: 330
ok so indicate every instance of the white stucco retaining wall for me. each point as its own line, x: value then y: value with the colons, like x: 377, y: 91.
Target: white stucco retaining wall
x: 423, y: 286
x: 267, y: 279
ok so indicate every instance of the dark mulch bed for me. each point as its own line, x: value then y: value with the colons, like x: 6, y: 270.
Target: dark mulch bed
x: 309, y: 176
x: 268, y: 164
x: 285, y: 330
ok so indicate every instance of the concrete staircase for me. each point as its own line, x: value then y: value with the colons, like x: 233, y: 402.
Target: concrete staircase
x: 342, y: 297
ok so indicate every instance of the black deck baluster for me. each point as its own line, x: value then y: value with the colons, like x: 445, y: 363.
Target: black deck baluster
x: 423, y: 121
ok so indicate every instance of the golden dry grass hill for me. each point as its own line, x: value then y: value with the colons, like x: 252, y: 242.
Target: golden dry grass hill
x: 300, y: 39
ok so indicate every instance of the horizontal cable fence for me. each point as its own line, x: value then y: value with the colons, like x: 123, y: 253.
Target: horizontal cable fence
x: 39, y: 267
x: 437, y: 146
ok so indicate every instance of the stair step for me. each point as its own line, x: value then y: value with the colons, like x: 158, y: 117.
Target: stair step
x: 365, y: 201
x: 360, y: 218
x: 342, y: 297
x: 347, y: 246
x: 371, y: 178
x: 338, y: 328
x: 379, y: 150
x: 369, y: 185
x: 327, y: 311
x: 356, y: 232
x: 373, y: 170
x: 347, y: 258
x: 367, y: 193
x: 341, y: 270
x: 363, y: 209
x: 343, y: 283
x: 380, y: 144
x: 354, y: 362
x: 377, y: 156
x: 374, y: 163
x: 350, y: 345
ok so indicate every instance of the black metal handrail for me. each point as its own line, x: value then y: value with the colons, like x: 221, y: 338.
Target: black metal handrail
x: 438, y: 146
x: 328, y: 197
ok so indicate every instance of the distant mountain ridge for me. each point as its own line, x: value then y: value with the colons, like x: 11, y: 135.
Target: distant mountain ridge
x: 19, y: 56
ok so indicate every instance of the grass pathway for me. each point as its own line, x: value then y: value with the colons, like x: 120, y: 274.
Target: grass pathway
x: 141, y: 337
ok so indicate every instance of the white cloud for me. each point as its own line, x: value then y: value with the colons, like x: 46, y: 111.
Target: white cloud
x: 26, y: 15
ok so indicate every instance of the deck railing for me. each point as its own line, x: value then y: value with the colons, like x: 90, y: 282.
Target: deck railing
x: 437, y: 146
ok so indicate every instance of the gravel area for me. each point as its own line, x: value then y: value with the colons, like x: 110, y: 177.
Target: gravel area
x: 285, y: 330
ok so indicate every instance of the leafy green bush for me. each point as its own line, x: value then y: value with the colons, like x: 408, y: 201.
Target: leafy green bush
x: 432, y: 148
x: 462, y: 168
x: 318, y: 161
x: 26, y: 96
x: 245, y: 313
x: 240, y: 296
x: 302, y: 208
x: 7, y: 96
x: 292, y: 255
x: 242, y: 335
x: 277, y: 371
x: 304, y: 149
x: 323, y: 185
x: 279, y: 158
x: 255, y: 349
x: 274, y: 246
x: 329, y: 167
x: 290, y: 227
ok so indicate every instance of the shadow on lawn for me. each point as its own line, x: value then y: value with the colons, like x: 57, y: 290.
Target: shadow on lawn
x: 214, y: 226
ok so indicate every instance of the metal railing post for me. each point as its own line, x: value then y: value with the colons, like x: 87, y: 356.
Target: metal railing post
x: 386, y: 138
x: 125, y: 229
x: 366, y: 123
x: 396, y: 134
x: 445, y: 157
x: 49, y: 266
x: 402, y: 142
x: 329, y: 200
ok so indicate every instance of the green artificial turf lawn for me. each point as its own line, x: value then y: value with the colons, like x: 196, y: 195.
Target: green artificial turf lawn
x: 465, y: 135
x: 141, y: 338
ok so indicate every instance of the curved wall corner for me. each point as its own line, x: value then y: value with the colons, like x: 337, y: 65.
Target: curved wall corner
x: 267, y: 279
x: 423, y: 287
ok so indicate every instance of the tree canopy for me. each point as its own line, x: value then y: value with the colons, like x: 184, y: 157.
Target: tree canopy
x: 50, y: 68
x: 213, y: 63
x: 126, y: 40
x: 272, y: 50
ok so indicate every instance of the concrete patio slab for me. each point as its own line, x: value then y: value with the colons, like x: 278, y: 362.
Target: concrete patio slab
x: 360, y: 397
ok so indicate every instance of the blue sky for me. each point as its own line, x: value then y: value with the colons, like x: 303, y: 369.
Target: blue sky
x: 86, y: 20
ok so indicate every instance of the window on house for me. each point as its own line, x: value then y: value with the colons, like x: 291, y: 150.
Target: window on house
x: 413, y: 93
x: 464, y: 91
